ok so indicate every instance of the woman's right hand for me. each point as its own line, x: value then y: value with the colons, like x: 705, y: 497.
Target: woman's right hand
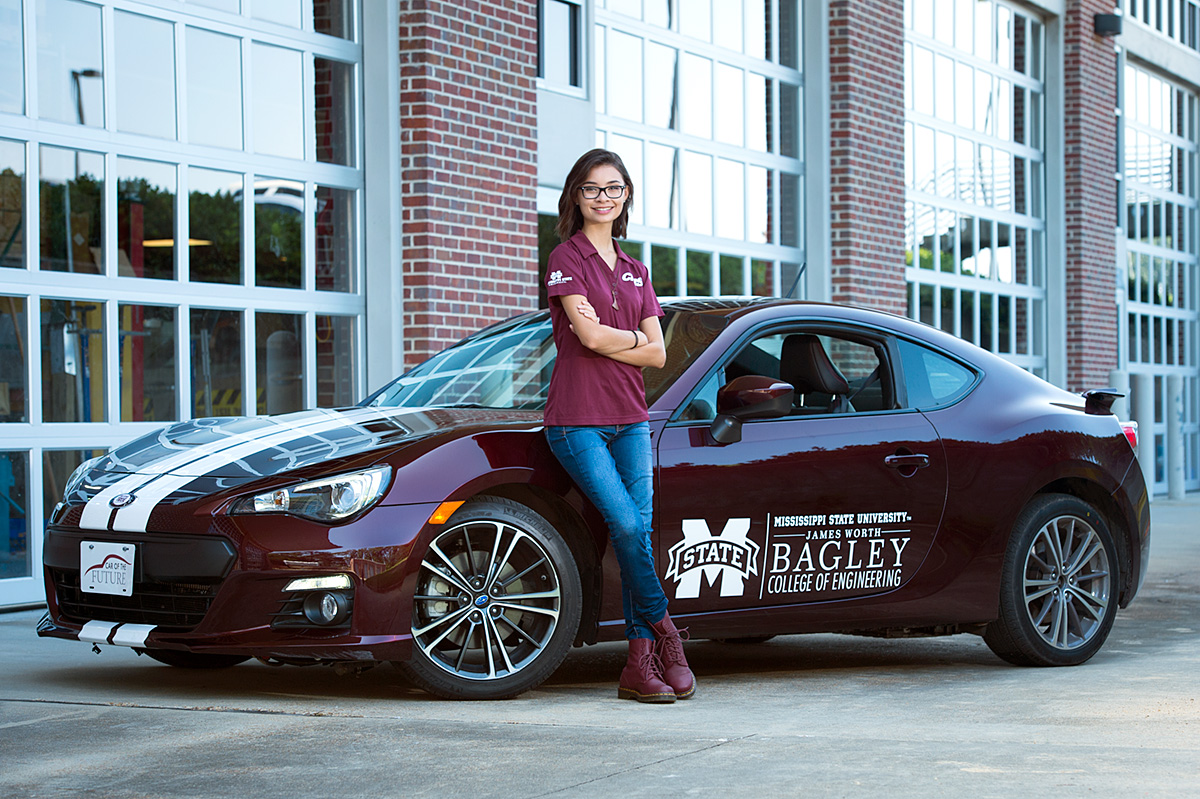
x: 585, y: 309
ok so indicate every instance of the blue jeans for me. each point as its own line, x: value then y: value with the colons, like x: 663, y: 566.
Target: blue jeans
x: 613, y: 466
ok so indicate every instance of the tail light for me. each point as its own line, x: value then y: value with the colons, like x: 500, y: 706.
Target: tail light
x: 1130, y: 430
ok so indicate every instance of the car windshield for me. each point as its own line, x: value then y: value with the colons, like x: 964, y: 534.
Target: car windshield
x: 508, y: 365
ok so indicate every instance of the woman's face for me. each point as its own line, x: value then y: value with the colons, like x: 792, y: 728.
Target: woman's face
x: 602, y: 209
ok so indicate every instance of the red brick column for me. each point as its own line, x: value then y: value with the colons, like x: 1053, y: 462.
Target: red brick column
x: 1090, y: 150
x: 866, y: 100
x: 468, y: 166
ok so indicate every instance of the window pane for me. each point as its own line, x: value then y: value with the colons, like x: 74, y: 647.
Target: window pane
x: 699, y: 274
x: 214, y: 226
x: 216, y: 345
x: 147, y: 363
x: 664, y: 271
x: 12, y: 204
x: 14, y: 491
x: 13, y: 359
x: 12, y: 58
x: 758, y: 205
x: 696, y: 77
x: 727, y: 23
x: 695, y: 19
x: 145, y: 219
x: 559, y: 43
x: 761, y: 278
x: 625, y: 66
x: 72, y: 335
x: 57, y: 466
x: 334, y: 112
x: 334, y: 231
x: 789, y: 120
x: 731, y: 104
x: 145, y: 75
x: 280, y: 362
x: 697, y: 209
x: 660, y: 193
x: 730, y: 199
x: 662, y: 83
x: 71, y: 198
x: 790, y: 212
x: 333, y: 18
x: 278, y: 234
x: 278, y: 100
x: 285, y: 12
x: 758, y: 114
x: 732, y: 269
x: 214, y: 89
x: 336, y: 356
x: 232, y: 6
x: 70, y: 66
x: 789, y: 34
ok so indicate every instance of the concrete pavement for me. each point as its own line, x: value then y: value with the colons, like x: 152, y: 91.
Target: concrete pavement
x: 798, y: 716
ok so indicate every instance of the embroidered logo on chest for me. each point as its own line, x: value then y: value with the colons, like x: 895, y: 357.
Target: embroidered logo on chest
x: 629, y: 278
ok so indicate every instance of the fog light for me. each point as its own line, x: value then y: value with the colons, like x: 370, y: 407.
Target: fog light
x: 326, y: 608
x: 314, y: 583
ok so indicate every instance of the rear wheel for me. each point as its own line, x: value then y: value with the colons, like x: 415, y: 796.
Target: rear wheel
x: 497, y: 604
x: 1058, y: 591
x: 193, y: 660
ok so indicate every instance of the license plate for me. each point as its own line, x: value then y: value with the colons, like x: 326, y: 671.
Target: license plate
x: 106, y: 568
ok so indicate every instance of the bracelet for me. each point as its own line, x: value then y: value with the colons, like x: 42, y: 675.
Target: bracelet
x: 636, y: 340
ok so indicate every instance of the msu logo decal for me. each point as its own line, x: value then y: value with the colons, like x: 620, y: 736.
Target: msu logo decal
x: 731, y: 558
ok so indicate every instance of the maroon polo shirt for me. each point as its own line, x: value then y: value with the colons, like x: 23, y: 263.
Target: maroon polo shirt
x: 587, y: 388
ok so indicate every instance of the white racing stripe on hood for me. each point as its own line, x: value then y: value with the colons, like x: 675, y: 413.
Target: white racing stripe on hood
x: 96, y: 511
x: 133, y: 517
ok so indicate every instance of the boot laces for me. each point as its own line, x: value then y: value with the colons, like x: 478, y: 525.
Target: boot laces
x: 649, y: 663
x: 671, y: 647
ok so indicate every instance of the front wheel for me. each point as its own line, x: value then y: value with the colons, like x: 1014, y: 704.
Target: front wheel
x: 1058, y: 590
x: 497, y: 604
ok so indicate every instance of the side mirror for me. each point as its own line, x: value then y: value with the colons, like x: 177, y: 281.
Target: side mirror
x: 749, y: 397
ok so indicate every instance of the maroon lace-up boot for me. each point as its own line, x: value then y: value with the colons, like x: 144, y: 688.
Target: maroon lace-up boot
x: 676, y: 671
x: 642, y: 677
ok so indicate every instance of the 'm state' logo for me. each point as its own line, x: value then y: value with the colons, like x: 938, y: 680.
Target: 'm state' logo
x: 730, y: 557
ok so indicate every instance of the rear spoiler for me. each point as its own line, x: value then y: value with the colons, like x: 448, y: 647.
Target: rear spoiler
x: 1100, y: 400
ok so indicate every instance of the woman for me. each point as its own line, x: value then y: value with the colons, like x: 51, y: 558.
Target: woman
x: 605, y: 318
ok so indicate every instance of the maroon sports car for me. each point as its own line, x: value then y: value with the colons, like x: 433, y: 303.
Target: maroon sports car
x: 818, y: 468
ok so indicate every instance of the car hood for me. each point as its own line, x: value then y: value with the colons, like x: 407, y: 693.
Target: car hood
x: 263, y: 446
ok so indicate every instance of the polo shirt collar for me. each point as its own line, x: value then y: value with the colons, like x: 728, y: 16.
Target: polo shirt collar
x: 586, y: 249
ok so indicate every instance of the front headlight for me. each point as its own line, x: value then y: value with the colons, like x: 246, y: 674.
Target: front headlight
x: 329, y: 499
x: 75, y: 481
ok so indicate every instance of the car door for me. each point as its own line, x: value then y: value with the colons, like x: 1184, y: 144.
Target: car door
x: 841, y: 498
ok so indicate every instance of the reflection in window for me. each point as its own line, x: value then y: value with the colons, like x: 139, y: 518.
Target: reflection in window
x: 664, y: 271
x: 147, y: 343
x: 695, y: 19
x: 72, y: 338
x: 727, y: 24
x: 758, y: 205
x: 730, y: 199
x: 145, y: 219
x: 70, y: 67
x: 216, y: 358
x: 662, y: 86
x: 334, y: 94
x: 732, y: 271
x: 789, y: 33
x: 758, y: 114
x: 334, y: 232
x: 279, y: 362
x: 333, y: 18
x: 559, y: 46
x: 12, y: 204
x: 12, y: 58
x: 790, y: 121
x: 14, y: 499
x: 71, y: 196
x: 278, y: 233
x: 14, y: 359
x: 145, y: 75
x: 699, y: 274
x: 630, y: 150
x: 789, y: 219
x: 278, y: 99
x: 660, y: 191
x: 57, y: 467
x: 232, y: 6
x: 730, y: 98
x: 336, y: 356
x: 214, y: 89
x: 214, y: 226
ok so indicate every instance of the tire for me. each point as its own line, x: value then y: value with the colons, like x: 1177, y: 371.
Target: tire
x: 496, y: 606
x: 1058, y: 585
x: 193, y: 660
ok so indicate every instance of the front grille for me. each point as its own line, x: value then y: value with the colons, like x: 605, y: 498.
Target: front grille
x: 178, y: 606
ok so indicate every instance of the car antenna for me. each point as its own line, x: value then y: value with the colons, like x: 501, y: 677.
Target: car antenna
x: 796, y: 282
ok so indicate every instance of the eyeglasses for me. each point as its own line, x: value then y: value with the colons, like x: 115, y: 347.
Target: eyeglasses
x: 592, y: 192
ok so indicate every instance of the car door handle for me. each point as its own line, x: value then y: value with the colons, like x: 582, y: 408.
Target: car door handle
x: 907, y: 461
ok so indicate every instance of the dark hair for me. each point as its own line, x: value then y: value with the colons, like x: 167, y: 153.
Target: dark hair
x: 570, y: 218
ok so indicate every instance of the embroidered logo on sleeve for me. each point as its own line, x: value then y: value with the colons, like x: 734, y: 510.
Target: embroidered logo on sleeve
x: 629, y: 278
x: 557, y: 279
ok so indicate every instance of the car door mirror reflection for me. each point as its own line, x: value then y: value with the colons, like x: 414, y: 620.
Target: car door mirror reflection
x: 749, y: 397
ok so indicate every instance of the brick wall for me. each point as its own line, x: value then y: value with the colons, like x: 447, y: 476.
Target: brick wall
x: 866, y: 98
x: 468, y: 166
x: 1090, y: 133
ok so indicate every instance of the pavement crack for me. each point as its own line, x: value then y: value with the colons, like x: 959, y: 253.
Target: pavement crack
x: 641, y: 766
x: 195, y: 709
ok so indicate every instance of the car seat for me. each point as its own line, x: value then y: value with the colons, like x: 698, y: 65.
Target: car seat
x: 820, y: 387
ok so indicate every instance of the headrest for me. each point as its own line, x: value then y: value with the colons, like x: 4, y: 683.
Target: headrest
x: 804, y: 363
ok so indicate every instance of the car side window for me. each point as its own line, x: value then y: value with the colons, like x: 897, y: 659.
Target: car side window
x: 932, y: 379
x: 830, y: 373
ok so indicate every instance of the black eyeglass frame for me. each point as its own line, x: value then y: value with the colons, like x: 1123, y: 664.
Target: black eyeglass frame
x: 593, y: 192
